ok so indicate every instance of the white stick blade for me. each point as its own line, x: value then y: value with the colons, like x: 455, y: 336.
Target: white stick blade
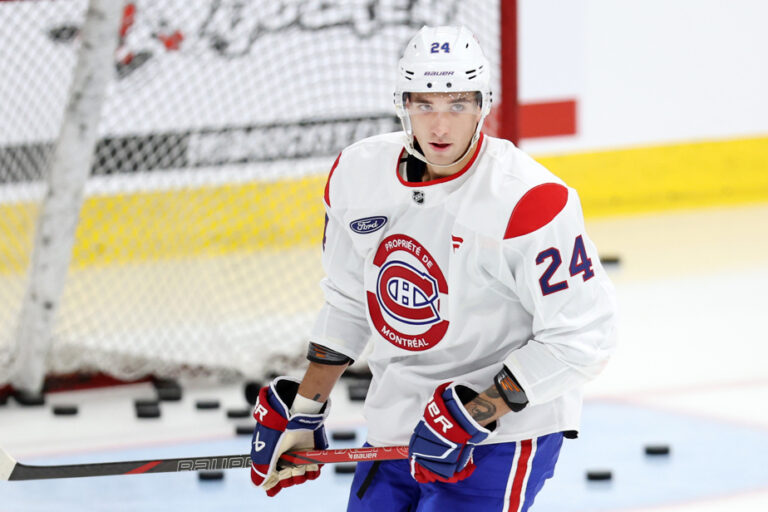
x: 7, y: 463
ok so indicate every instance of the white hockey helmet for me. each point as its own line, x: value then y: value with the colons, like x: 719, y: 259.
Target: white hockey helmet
x: 442, y: 59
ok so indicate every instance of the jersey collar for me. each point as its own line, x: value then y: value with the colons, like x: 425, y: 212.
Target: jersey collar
x: 452, y: 177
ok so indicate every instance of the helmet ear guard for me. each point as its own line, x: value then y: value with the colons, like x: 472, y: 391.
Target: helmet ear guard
x: 442, y: 59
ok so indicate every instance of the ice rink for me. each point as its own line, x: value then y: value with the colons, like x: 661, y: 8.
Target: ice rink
x: 691, y: 371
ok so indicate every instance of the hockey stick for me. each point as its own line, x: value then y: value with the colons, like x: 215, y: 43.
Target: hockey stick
x: 12, y: 470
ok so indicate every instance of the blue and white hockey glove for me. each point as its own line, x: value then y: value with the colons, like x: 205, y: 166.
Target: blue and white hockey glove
x: 442, y: 443
x: 278, y: 431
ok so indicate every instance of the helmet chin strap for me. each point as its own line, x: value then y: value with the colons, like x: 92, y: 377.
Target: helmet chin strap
x: 420, y: 156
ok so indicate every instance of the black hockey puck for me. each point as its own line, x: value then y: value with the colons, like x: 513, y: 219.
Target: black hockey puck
x: 210, y: 474
x: 207, y: 404
x: 165, y: 383
x: 238, y: 413
x: 146, y: 402
x: 599, y: 475
x: 657, y: 449
x: 344, y: 469
x: 244, y: 430
x: 251, y: 391
x: 29, y: 399
x: 610, y: 260
x: 358, y: 391
x: 169, y: 394
x: 147, y: 411
x: 65, y: 410
x: 344, y: 435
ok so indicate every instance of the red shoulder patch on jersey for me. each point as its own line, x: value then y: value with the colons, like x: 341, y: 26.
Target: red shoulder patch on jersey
x: 328, y: 181
x: 536, y: 209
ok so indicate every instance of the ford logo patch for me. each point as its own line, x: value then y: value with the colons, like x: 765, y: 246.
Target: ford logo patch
x: 367, y: 225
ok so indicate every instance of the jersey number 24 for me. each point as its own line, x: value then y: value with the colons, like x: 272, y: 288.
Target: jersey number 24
x: 580, y: 264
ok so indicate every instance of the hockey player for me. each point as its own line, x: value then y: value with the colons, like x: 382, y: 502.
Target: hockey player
x: 467, y: 266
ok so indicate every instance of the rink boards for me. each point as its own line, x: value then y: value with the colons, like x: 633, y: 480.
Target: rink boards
x: 148, y: 217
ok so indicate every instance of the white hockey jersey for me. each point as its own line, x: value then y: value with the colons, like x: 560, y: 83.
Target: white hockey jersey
x: 451, y: 279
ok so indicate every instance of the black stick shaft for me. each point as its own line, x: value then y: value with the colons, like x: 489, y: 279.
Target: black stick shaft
x: 25, y: 472
x: 136, y: 467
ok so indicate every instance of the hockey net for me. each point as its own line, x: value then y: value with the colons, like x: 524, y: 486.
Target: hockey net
x: 197, y: 250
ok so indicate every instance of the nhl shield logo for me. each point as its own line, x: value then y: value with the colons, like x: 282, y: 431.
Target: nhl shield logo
x: 418, y: 196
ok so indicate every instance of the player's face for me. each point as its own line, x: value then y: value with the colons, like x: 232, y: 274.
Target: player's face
x: 443, y: 123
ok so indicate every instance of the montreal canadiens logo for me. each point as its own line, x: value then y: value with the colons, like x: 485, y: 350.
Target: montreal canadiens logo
x: 408, y: 295
x: 405, y: 306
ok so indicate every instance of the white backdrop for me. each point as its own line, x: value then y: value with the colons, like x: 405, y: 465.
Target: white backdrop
x: 647, y: 72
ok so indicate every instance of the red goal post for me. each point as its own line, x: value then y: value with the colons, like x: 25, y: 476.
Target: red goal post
x: 195, y: 236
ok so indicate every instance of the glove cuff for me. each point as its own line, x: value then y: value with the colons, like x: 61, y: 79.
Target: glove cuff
x: 453, y: 399
x: 284, y: 392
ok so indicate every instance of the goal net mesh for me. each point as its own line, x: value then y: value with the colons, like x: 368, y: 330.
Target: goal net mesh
x: 197, y: 250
